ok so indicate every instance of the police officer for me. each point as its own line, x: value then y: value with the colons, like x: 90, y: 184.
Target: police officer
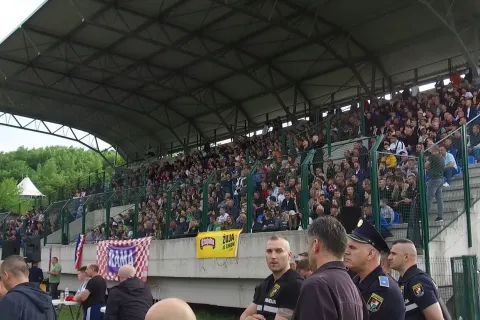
x: 422, y: 300
x: 363, y: 255
x: 277, y: 295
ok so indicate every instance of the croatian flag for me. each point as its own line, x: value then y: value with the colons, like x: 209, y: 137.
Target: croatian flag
x: 79, y: 251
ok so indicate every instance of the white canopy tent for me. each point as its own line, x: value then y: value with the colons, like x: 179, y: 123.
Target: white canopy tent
x: 27, y: 190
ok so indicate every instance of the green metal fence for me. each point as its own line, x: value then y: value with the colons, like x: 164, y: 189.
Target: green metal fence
x: 465, y: 287
x: 54, y: 217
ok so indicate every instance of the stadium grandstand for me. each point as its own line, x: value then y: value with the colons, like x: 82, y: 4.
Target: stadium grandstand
x: 253, y: 115
x: 213, y: 86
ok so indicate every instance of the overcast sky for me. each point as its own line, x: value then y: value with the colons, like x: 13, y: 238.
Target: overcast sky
x: 12, y: 14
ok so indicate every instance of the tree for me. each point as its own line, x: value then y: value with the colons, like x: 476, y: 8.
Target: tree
x: 57, y: 171
x: 9, y: 196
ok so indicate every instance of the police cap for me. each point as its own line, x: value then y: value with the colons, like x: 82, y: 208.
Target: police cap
x: 365, y: 232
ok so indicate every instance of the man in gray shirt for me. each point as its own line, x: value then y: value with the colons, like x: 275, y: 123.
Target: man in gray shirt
x: 435, y: 167
x: 329, y: 293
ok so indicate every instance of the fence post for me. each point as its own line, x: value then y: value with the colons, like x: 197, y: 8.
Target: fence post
x: 305, y: 190
x: 46, y: 220
x: 104, y: 178
x: 471, y: 286
x: 374, y: 181
x: 250, y: 191
x: 466, y: 183
x: 84, y: 218
x: 291, y: 146
x: 108, y: 206
x: 247, y: 155
x: 362, y: 116
x: 4, y: 228
x: 329, y: 136
x: 204, y: 224
x: 135, y: 213
x: 62, y: 221
x: 423, y: 210
x: 284, y: 144
x: 169, y: 209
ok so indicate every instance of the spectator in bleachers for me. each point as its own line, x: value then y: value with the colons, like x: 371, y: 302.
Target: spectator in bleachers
x: 451, y: 167
x: 435, y: 167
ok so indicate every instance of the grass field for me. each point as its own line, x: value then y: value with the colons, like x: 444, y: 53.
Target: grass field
x: 201, y: 315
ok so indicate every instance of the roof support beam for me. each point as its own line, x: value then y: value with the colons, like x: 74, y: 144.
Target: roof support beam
x: 225, y: 48
x: 164, y: 13
x: 277, y: 97
x: 177, y: 44
x: 237, y: 49
x: 86, y: 102
x: 10, y: 120
x: 36, y: 30
x: 309, y: 13
x: 314, y: 38
x: 449, y: 24
x: 157, y: 82
x: 68, y: 36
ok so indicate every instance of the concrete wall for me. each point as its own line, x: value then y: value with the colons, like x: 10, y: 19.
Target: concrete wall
x: 174, y: 270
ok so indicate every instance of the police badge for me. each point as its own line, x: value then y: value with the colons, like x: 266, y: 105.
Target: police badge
x: 418, y: 290
x: 374, y: 302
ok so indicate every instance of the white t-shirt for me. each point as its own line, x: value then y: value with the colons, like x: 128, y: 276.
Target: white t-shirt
x: 82, y: 287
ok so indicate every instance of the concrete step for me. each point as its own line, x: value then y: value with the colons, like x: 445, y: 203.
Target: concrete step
x: 400, y: 231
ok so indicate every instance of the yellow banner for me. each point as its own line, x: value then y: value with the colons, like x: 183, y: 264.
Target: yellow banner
x: 217, y: 244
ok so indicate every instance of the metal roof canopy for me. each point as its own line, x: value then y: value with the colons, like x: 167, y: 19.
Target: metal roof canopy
x: 145, y: 73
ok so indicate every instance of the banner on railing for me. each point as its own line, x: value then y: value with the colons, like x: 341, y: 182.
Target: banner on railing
x: 112, y: 254
x: 217, y: 244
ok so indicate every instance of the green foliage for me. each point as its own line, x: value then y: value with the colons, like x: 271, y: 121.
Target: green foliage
x: 56, y: 171
x: 8, y: 194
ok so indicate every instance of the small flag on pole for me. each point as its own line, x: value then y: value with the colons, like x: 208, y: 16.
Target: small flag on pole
x: 79, y: 251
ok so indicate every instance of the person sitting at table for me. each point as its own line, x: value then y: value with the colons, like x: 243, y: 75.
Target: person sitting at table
x: 93, y: 297
x: 23, y: 300
x: 129, y: 300
x: 171, y: 308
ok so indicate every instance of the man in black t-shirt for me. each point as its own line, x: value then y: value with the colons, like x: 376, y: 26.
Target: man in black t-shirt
x: 276, y: 296
x: 93, y: 297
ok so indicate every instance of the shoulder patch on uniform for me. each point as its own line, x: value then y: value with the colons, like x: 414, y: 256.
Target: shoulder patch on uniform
x: 384, y: 282
x: 418, y: 290
x: 374, y: 303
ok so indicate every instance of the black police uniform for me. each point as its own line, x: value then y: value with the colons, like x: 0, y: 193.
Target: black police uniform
x: 272, y: 295
x: 381, y: 293
x: 420, y: 292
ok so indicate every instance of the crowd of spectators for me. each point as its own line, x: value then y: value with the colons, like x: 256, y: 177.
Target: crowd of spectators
x: 30, y: 224
x: 411, y: 121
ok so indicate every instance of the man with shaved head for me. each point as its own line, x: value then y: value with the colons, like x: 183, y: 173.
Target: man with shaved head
x: 422, y: 300
x: 24, y: 300
x: 170, y: 309
x: 276, y: 296
x: 129, y: 300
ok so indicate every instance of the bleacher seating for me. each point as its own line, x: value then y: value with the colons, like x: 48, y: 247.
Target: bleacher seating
x: 337, y: 178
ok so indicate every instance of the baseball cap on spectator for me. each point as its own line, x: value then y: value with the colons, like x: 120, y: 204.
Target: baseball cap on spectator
x: 468, y: 95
